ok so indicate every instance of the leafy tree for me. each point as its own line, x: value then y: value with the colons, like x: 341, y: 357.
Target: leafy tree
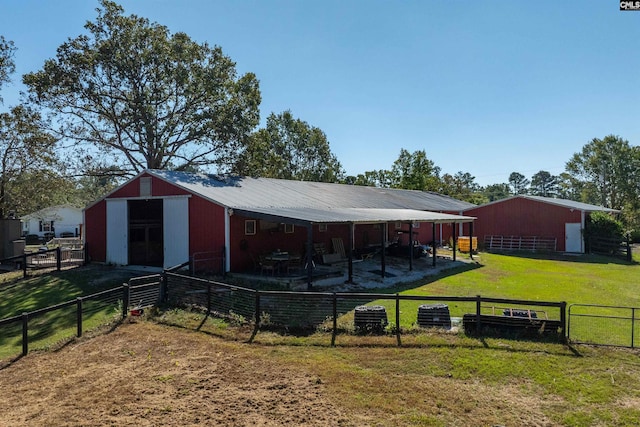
x: 7, y: 66
x: 570, y: 188
x: 610, y: 166
x: 544, y: 184
x: 137, y: 97
x: 462, y: 186
x: 41, y: 188
x: 414, y: 171
x: 519, y: 183
x: 24, y: 148
x: 495, y: 192
x: 289, y: 148
x: 379, y: 178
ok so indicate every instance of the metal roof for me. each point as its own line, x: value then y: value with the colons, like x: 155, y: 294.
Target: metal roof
x: 317, y: 202
x: 260, y: 193
x: 570, y: 204
x: 354, y: 215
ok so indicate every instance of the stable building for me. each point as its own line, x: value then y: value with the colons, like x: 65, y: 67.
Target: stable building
x: 533, y: 223
x: 165, y: 218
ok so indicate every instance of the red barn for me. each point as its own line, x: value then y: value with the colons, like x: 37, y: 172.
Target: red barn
x: 533, y: 222
x: 164, y: 218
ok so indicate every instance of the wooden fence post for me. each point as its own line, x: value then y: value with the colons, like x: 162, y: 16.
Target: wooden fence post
x: 563, y: 321
x: 126, y: 294
x: 478, y: 317
x: 257, y: 317
x: 79, y: 315
x: 629, y: 254
x: 335, y: 320
x: 58, y: 259
x: 24, y: 266
x: 25, y: 334
x: 633, y: 324
x: 398, y: 317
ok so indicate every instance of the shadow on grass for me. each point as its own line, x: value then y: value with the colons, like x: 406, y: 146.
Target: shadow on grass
x: 578, y: 258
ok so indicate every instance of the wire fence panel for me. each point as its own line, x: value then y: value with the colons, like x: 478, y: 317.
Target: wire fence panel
x: 103, y: 305
x: 604, y: 325
x: 146, y: 295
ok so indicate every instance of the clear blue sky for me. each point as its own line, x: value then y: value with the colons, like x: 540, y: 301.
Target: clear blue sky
x: 485, y: 87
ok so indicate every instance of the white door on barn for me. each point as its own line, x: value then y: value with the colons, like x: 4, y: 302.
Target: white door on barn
x: 117, y: 232
x: 573, y: 237
x: 176, y: 231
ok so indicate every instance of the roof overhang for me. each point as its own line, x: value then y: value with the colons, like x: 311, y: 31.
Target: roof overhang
x: 308, y: 216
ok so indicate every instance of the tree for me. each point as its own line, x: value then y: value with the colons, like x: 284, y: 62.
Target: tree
x: 24, y: 148
x: 414, y: 171
x: 140, y: 97
x: 609, y: 167
x: 569, y: 187
x: 518, y: 183
x: 7, y: 66
x: 289, y: 148
x: 462, y: 186
x: 495, y: 192
x: 544, y: 184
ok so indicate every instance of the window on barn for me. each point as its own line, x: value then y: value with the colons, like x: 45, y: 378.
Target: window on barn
x: 322, y: 228
x: 288, y: 228
x: 398, y: 225
x: 250, y: 227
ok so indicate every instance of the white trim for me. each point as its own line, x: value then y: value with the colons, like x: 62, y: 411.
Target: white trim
x: 227, y: 238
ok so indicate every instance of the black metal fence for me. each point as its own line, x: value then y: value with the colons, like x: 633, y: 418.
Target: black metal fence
x: 604, y: 325
x: 324, y: 311
x: 334, y: 312
x: 59, y: 322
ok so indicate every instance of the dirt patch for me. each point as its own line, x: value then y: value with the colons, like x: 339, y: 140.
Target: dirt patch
x: 145, y: 374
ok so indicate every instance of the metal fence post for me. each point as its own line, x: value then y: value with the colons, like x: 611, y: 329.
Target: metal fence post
x: 58, y: 259
x: 79, y: 315
x: 398, y: 319
x: 25, y: 333
x: 208, y: 299
x: 126, y: 293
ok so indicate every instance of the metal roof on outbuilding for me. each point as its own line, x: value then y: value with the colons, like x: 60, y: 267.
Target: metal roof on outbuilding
x: 570, y: 204
x: 268, y: 193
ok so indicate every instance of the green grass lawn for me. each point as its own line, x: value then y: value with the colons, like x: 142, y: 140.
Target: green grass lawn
x: 18, y: 295
x: 435, y: 378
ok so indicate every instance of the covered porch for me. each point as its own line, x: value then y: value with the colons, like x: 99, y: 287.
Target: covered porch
x: 347, y: 255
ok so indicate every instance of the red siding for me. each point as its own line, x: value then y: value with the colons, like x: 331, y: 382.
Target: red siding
x: 158, y: 188
x: 265, y: 241
x: 206, y: 220
x: 206, y: 226
x: 95, y: 223
x: 523, y: 217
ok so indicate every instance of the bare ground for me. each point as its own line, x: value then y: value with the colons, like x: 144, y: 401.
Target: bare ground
x: 142, y: 374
